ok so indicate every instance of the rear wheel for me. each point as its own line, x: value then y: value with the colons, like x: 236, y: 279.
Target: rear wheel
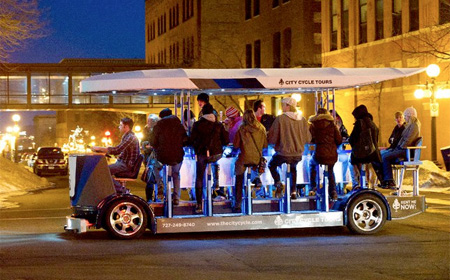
x: 125, y: 219
x: 366, y: 214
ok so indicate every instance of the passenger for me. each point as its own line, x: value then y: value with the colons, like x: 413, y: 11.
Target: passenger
x: 363, y: 124
x: 154, y: 166
x: 250, y: 139
x: 128, y: 151
x: 344, y: 157
x: 289, y: 133
x: 168, y: 139
x: 208, y: 137
x: 188, y: 125
x: 408, y: 136
x: 266, y: 120
x: 233, y: 121
x: 326, y: 136
x: 202, y: 100
x: 260, y: 111
x: 396, y: 132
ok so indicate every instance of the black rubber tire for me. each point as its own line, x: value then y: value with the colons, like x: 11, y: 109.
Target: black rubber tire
x: 125, y: 218
x: 366, y: 214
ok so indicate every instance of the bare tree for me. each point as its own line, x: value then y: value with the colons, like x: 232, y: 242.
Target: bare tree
x: 20, y: 20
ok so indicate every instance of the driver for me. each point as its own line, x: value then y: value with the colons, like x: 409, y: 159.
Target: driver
x: 128, y: 151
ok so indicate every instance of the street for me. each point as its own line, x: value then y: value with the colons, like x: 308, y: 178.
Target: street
x: 33, y: 245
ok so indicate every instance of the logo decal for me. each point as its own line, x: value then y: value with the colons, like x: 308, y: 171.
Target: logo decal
x: 396, y: 205
x: 281, y: 82
x: 279, y: 221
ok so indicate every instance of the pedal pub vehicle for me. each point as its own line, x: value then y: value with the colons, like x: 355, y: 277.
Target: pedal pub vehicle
x: 96, y: 204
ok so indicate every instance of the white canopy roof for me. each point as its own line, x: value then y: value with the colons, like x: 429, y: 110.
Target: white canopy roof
x: 240, y: 81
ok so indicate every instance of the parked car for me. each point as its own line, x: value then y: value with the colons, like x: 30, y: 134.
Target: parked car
x: 50, y: 160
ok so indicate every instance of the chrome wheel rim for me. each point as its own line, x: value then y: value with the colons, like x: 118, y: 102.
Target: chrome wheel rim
x: 367, y: 215
x: 126, y: 218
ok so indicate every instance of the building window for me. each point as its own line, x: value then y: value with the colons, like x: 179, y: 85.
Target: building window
x: 334, y: 25
x: 345, y: 25
x: 257, y: 54
x: 255, y: 7
x: 188, y: 9
x: 444, y: 11
x: 275, y: 3
x: 413, y: 15
x: 379, y: 20
x: 276, y: 50
x: 362, y: 21
x: 396, y: 17
x: 248, y: 56
x: 287, y: 45
x: 248, y: 9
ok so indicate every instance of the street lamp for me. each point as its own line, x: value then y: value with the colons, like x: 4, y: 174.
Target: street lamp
x: 431, y: 92
x: 433, y: 71
x: 15, y: 131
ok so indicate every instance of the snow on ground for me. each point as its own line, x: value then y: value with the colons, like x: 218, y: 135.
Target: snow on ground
x: 16, y: 179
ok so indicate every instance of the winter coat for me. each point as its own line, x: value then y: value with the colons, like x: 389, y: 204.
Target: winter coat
x: 207, y: 134
x: 168, y: 139
x: 362, y: 116
x: 250, y: 153
x: 395, y: 136
x: 289, y: 133
x: 409, y: 135
x: 327, y: 138
x: 267, y: 121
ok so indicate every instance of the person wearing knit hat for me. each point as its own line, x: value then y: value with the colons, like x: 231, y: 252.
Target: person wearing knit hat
x: 409, y: 136
x: 231, y: 112
x: 233, y: 121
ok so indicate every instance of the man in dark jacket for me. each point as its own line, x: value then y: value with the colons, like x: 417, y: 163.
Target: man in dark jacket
x: 397, y: 131
x: 327, y: 138
x: 168, y: 139
x: 260, y: 111
x: 208, y: 137
x: 363, y: 120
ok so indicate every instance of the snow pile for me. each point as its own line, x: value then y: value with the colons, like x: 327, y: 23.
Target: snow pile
x: 430, y: 177
x: 15, y: 179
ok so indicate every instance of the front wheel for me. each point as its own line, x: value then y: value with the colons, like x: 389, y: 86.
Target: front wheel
x: 366, y: 214
x: 125, y: 219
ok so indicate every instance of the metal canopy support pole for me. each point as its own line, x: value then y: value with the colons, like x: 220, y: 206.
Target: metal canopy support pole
x: 328, y: 100
x: 249, y: 191
x: 188, y: 102
x: 169, y: 191
x: 182, y: 106
x: 175, y: 104
x: 287, y: 193
x: 208, y: 189
x: 316, y: 100
x: 325, y: 186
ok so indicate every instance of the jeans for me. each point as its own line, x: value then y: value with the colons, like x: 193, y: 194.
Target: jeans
x: 201, y: 167
x: 116, y: 168
x: 278, y: 160
x: 388, y: 157
x: 176, y: 180
x: 315, y: 178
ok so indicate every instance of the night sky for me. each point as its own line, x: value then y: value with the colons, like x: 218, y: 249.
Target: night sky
x: 83, y: 29
x: 88, y: 29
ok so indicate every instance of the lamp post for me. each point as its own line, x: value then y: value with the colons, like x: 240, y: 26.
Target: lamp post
x: 16, y: 131
x: 433, y: 71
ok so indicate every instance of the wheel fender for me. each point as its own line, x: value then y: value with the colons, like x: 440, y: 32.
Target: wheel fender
x: 105, y: 203
x: 353, y: 195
